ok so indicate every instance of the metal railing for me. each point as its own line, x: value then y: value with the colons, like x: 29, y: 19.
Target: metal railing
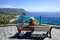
x: 40, y: 20
x: 44, y: 20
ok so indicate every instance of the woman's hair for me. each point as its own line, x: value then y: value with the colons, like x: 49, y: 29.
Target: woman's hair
x: 32, y: 22
x: 32, y: 18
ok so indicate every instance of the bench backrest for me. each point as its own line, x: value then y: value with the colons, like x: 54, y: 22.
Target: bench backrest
x: 55, y: 33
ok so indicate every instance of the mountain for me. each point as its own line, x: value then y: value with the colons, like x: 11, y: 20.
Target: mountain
x: 12, y: 10
x: 7, y: 14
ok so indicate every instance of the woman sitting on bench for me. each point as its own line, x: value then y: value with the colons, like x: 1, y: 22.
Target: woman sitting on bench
x: 32, y: 22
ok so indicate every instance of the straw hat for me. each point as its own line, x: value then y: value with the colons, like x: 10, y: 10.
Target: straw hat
x: 32, y: 18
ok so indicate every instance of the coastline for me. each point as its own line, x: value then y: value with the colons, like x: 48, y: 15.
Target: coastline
x: 15, y: 18
x: 17, y: 15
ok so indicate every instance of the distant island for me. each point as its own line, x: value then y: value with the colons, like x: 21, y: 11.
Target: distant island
x: 6, y: 14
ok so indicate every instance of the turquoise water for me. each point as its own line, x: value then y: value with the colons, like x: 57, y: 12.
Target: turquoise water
x: 49, y: 17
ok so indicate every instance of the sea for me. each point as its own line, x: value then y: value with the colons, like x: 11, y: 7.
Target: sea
x: 41, y: 17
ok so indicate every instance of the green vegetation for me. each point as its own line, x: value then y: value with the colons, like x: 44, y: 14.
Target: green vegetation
x: 1, y: 21
x: 6, y: 14
x: 6, y: 17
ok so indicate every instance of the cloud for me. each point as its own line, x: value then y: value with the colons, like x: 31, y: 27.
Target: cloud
x: 6, y: 6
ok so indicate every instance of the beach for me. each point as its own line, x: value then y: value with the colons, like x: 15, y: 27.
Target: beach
x: 15, y: 18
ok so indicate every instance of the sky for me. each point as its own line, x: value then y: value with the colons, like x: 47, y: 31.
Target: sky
x: 32, y: 5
